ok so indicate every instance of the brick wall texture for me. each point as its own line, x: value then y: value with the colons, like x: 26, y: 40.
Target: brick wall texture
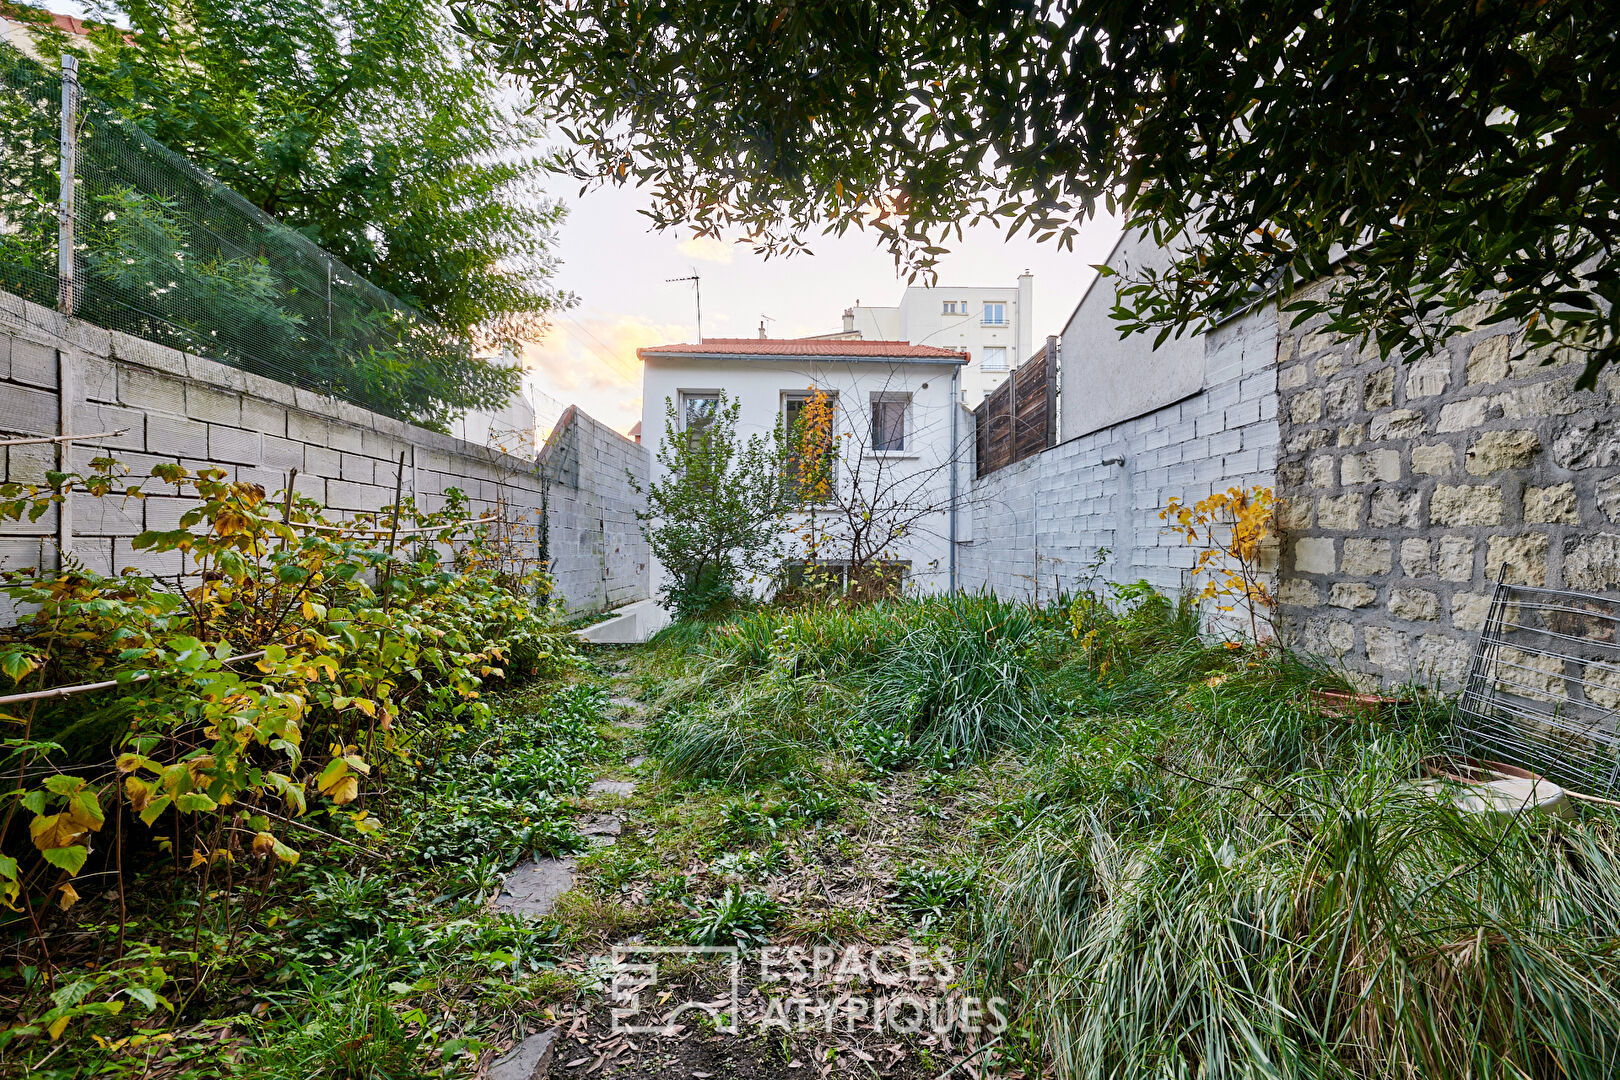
x: 1055, y: 510
x: 176, y: 407
x: 1408, y: 486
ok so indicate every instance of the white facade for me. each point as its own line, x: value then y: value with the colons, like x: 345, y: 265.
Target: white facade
x: 908, y: 399
x: 519, y: 427
x: 994, y: 326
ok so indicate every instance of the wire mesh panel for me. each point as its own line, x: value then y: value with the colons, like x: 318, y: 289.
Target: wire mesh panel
x: 1544, y: 687
x: 30, y: 122
x: 166, y: 252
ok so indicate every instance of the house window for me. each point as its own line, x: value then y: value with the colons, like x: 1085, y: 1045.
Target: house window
x: 889, y: 421
x: 878, y: 579
x: 995, y: 313
x: 698, y: 412
x: 995, y: 358
x: 948, y: 308
x: 805, y: 475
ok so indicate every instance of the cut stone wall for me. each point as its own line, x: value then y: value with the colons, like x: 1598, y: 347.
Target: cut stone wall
x: 176, y: 407
x: 1407, y: 486
x: 1057, y: 509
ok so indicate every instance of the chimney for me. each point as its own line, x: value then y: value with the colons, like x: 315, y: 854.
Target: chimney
x: 849, y: 320
x: 762, y: 329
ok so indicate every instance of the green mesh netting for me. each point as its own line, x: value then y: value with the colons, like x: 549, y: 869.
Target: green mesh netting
x: 165, y: 252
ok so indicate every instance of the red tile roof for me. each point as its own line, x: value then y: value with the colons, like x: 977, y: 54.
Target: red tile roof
x: 785, y: 347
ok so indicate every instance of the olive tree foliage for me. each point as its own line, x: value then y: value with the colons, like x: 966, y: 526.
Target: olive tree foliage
x: 1431, y: 156
x: 714, y: 512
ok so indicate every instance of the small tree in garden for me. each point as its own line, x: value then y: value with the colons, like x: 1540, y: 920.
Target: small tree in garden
x: 715, y: 514
x: 1233, y: 529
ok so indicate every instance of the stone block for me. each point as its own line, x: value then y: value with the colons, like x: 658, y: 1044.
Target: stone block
x: 1415, y: 558
x: 92, y: 419
x: 1417, y: 605
x: 1314, y: 555
x: 177, y: 437
x: 308, y: 429
x: 1525, y: 557
x: 1454, y: 558
x: 1468, y: 610
x: 1299, y: 593
x: 1352, y: 435
x: 1303, y: 442
x: 29, y: 464
x: 1587, y: 444
x: 344, y: 437
x: 1291, y: 377
x: 1294, y: 515
x: 357, y: 468
x: 1321, y: 471
x: 1464, y: 504
x: 1306, y: 408
x: 213, y: 406
x: 283, y: 453
x: 1428, y: 376
x: 96, y: 377
x: 1443, y: 659
x: 30, y: 412
x: 1463, y: 415
x: 1592, y: 563
x: 1341, y: 398
x: 1435, y: 459
x: 1397, y: 424
x: 1370, y: 467
x: 528, y: 1060
x: 1340, y: 512
x: 319, y: 461
x: 1547, y: 505
x: 1352, y: 594
x: 1365, y: 557
x: 107, y: 516
x: 1378, y: 390
x: 1392, y: 507
x: 1494, y: 451
x: 343, y: 495
x: 151, y: 392
x: 1387, y: 650
x: 145, y: 561
x: 33, y: 363
x: 1555, y: 397
x: 1329, y: 637
x: 232, y: 445
x: 1488, y: 360
x: 139, y: 353
x: 1608, y: 498
x: 264, y: 417
x: 1327, y: 365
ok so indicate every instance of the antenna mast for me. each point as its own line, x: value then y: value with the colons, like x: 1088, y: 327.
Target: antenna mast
x: 697, y: 291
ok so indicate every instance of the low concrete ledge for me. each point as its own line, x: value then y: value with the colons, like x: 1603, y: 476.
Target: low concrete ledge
x: 630, y: 625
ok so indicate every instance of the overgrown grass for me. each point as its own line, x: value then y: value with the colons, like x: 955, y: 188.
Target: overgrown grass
x: 1198, y: 873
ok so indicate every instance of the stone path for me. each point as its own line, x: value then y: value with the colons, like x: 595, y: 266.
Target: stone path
x: 533, y: 887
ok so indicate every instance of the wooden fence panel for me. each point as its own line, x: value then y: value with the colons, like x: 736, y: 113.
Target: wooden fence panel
x: 1018, y: 419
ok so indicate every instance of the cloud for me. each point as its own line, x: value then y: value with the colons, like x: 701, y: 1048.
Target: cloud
x: 590, y: 361
x: 706, y: 248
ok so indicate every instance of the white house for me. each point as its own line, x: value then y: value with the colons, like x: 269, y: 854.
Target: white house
x: 901, y: 436
x: 994, y: 325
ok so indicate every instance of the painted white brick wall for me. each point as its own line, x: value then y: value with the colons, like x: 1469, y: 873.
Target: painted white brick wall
x: 176, y: 407
x: 1038, y: 524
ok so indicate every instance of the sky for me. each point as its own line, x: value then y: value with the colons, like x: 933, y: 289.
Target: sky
x: 616, y: 265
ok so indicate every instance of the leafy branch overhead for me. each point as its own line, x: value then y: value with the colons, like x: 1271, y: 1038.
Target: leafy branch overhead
x: 1466, y: 157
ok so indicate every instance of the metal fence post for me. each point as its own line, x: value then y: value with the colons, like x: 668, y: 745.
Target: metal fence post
x: 64, y: 200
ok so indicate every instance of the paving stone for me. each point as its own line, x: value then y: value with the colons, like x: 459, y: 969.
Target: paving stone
x: 528, y: 1060
x: 624, y: 788
x: 622, y: 702
x: 601, y: 825
x: 532, y: 889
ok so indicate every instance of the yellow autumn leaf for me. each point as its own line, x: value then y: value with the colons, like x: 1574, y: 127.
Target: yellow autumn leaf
x: 54, y: 831
x: 68, y: 896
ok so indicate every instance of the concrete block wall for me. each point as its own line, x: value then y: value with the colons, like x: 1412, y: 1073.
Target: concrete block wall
x: 599, y: 557
x: 171, y: 406
x: 1408, y: 486
x: 1038, y: 524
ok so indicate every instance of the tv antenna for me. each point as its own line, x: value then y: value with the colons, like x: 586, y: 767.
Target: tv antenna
x: 763, y: 319
x: 697, y: 291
